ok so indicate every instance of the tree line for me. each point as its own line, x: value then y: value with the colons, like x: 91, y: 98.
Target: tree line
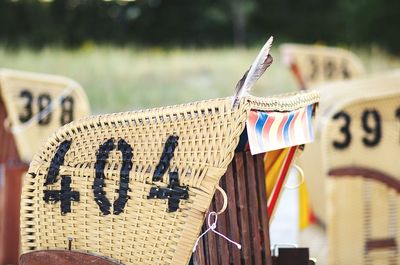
x: 71, y: 23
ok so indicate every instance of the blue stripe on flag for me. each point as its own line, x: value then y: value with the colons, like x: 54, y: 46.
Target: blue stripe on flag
x: 286, y: 128
x: 309, y: 121
x: 262, y: 118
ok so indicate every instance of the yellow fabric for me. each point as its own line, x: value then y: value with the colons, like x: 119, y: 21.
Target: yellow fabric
x: 273, y: 162
x: 304, y: 206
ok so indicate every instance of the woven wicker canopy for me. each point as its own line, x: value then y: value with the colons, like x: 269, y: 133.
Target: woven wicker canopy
x: 136, y: 186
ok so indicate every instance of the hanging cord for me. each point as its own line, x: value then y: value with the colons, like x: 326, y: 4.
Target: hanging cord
x: 213, y: 225
x: 299, y: 170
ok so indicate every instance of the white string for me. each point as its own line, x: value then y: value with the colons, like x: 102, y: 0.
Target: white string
x: 212, y: 227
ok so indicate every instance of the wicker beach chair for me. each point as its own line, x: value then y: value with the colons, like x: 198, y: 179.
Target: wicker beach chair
x: 38, y: 104
x: 136, y: 187
x: 354, y: 169
x: 32, y: 106
x: 312, y: 65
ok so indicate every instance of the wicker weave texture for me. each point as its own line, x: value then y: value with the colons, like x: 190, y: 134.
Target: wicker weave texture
x: 145, y: 232
x: 363, y: 190
x: 26, y: 96
x: 357, y: 184
x: 320, y: 64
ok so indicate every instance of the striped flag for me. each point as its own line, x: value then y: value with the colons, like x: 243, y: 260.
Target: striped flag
x: 275, y: 130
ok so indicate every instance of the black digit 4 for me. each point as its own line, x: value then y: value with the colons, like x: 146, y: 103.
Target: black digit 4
x: 65, y: 195
x: 173, y: 192
x: 166, y: 157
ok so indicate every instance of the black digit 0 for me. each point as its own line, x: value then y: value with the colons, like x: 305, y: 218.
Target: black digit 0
x: 345, y: 130
x: 314, y: 68
x: 127, y: 154
x: 329, y: 69
x: 27, y: 115
x: 99, y: 181
x: 375, y: 130
x: 65, y: 194
x: 98, y: 184
x: 67, y: 110
x: 44, y: 115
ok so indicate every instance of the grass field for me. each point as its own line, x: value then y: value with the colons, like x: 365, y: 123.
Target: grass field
x: 118, y: 79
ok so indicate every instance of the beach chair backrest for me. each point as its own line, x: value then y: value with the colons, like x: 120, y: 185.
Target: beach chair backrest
x: 357, y: 146
x: 38, y: 104
x: 136, y: 186
x: 314, y: 64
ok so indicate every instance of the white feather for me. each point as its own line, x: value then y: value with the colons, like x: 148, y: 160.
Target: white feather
x: 254, y: 73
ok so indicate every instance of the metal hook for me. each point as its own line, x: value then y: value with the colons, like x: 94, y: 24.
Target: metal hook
x: 70, y: 243
x: 225, y: 205
x: 299, y: 170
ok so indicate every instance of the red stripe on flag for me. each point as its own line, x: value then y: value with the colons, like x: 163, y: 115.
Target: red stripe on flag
x: 280, y: 128
x: 292, y: 133
x: 267, y: 128
x: 304, y: 118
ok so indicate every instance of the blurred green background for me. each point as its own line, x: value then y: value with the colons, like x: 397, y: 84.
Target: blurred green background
x: 146, y: 53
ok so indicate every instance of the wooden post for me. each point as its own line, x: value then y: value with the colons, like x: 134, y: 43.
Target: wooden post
x: 245, y: 220
x: 11, y: 170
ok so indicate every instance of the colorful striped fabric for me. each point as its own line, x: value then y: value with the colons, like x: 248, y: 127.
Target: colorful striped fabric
x: 275, y: 130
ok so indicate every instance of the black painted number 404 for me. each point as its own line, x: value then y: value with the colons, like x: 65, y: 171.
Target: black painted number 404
x: 173, y: 192
x: 43, y: 102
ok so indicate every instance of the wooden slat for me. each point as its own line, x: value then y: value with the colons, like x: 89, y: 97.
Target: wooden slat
x: 212, y: 242
x: 205, y: 246
x: 245, y: 220
x: 200, y: 255
x: 10, y: 193
x: 243, y: 208
x: 9, y: 152
x: 233, y: 225
x: 253, y: 209
x: 11, y: 211
x: 263, y: 209
x: 222, y: 226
